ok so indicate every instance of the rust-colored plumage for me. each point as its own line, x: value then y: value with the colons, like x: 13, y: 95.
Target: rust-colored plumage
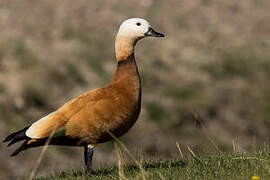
x: 88, y: 119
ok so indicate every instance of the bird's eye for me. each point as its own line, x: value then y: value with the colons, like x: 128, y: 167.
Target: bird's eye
x: 138, y: 24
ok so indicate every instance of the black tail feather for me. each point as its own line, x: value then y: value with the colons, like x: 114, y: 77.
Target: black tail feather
x: 17, y: 139
x: 17, y: 136
x: 21, y: 148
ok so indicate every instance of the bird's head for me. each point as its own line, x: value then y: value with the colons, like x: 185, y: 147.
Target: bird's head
x: 130, y: 31
x: 137, y: 28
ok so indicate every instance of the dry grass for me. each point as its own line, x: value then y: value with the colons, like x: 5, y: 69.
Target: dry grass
x: 227, y: 166
x: 213, y: 61
x: 44, y: 149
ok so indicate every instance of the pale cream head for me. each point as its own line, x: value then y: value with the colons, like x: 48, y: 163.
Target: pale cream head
x: 134, y: 28
x: 130, y: 31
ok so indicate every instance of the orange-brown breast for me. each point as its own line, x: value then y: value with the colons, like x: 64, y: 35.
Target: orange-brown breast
x: 114, y: 108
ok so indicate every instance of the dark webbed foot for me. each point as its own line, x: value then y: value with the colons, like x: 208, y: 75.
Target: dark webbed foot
x: 88, y: 155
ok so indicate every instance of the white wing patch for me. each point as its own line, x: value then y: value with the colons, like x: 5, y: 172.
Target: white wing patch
x: 32, y: 131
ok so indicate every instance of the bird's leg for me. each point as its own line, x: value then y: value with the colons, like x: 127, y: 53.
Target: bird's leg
x: 88, y: 154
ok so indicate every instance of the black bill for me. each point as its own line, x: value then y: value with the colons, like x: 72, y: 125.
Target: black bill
x: 153, y: 33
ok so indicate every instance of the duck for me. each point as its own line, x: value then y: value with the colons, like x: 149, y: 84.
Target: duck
x: 98, y: 115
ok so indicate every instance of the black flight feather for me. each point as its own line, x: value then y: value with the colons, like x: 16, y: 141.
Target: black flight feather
x: 17, y: 136
x: 21, y: 148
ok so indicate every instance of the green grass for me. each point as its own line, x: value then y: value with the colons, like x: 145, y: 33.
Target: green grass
x: 229, y: 166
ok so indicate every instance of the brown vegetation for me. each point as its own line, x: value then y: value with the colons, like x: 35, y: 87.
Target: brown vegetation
x: 213, y: 63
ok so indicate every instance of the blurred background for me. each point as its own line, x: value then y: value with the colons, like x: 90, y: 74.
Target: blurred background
x: 213, y: 64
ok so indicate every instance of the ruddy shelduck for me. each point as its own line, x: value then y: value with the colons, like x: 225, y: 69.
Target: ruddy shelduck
x: 95, y: 116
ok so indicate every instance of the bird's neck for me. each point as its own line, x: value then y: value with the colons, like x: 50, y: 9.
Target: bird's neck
x: 127, y: 76
x: 127, y: 72
x: 124, y: 47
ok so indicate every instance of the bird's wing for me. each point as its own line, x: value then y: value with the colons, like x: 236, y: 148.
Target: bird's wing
x: 109, y: 111
x: 55, y: 122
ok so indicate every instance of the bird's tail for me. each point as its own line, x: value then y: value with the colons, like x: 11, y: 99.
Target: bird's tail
x: 16, y: 137
x: 30, y: 143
